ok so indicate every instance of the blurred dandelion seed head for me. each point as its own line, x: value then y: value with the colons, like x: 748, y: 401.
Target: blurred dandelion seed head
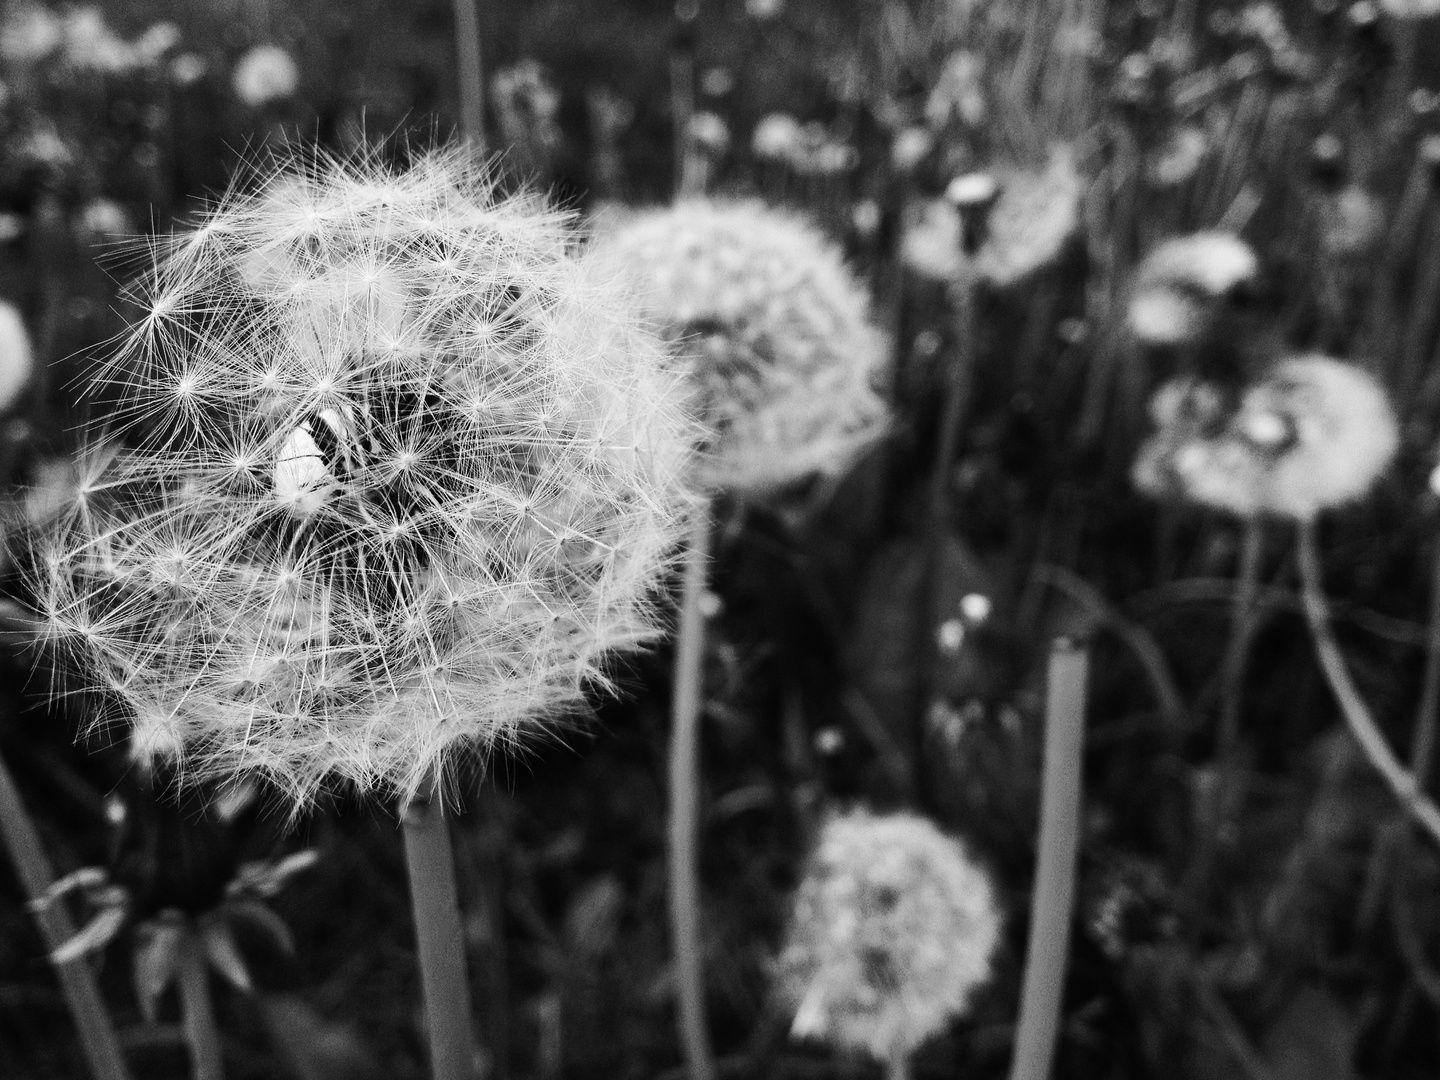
x: 1028, y: 220
x: 17, y: 359
x: 1177, y: 284
x: 1314, y: 434
x: 400, y: 471
x: 893, y: 929
x: 264, y: 74
x: 773, y: 329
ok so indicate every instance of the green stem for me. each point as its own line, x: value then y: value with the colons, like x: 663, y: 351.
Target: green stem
x: 1051, y: 903
x: 77, y: 981
x: 1352, y: 706
x: 1242, y: 629
x: 689, y: 175
x: 689, y: 697
x: 440, y: 943
x: 197, y: 1011
x: 898, y: 1067
x: 1422, y: 743
x: 472, y: 82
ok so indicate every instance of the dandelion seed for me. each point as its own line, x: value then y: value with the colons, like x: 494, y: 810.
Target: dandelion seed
x: 773, y: 328
x: 894, y: 928
x: 316, y: 561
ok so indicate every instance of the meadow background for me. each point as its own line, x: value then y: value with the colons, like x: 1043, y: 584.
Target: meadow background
x: 1251, y: 900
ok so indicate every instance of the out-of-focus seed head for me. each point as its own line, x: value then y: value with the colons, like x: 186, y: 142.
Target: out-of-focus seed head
x: 772, y: 327
x: 17, y: 360
x: 893, y: 929
x: 1178, y: 284
x: 1314, y: 434
x: 1029, y: 215
x: 399, y: 471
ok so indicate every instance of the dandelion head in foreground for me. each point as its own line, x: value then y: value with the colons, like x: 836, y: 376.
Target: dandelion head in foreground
x: 894, y: 927
x: 1176, y: 284
x: 1315, y: 433
x: 773, y: 329
x: 392, y: 472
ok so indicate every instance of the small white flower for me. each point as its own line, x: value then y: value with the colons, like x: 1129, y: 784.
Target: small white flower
x: 266, y: 73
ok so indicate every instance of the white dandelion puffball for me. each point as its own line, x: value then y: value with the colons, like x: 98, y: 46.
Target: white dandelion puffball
x: 1027, y: 225
x: 893, y: 928
x: 17, y: 360
x: 772, y: 326
x: 1177, y: 281
x: 1314, y: 434
x: 399, y: 471
x: 266, y: 73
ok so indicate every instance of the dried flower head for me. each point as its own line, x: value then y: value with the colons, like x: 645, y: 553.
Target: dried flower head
x: 894, y: 927
x: 772, y: 326
x: 399, y: 471
x: 1178, y: 282
x: 1315, y: 433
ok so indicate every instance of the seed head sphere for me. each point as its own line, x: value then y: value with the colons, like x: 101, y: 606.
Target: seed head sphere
x: 761, y: 310
x: 397, y: 471
x: 894, y: 928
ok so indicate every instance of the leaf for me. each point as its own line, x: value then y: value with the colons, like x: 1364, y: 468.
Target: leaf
x: 86, y: 878
x: 97, y: 933
x: 265, y: 879
x: 224, y: 957
x: 155, y: 963
x: 263, y: 919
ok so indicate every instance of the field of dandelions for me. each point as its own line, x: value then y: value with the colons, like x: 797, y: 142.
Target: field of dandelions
x: 807, y: 409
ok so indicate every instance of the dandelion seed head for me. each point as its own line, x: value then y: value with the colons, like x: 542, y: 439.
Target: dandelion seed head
x: 1030, y: 215
x: 264, y: 74
x: 1177, y: 284
x: 772, y: 327
x: 1313, y: 434
x: 17, y: 360
x: 893, y: 929
x: 315, y: 557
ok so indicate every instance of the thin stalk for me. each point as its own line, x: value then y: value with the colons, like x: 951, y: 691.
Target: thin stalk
x: 689, y: 175
x: 197, y: 1010
x: 898, y: 1067
x: 689, y: 697
x: 472, y: 79
x: 1422, y: 743
x: 434, y: 901
x: 954, y: 407
x: 1352, y: 706
x: 77, y: 981
x: 1053, y: 898
x: 1242, y: 629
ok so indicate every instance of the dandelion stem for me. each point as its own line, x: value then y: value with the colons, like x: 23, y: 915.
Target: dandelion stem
x: 1352, y: 706
x: 1051, y: 902
x: 689, y: 175
x: 77, y: 982
x: 430, y: 862
x: 472, y: 82
x: 197, y: 1011
x: 686, y: 705
x: 1422, y: 744
x: 1242, y: 629
x: 898, y: 1067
